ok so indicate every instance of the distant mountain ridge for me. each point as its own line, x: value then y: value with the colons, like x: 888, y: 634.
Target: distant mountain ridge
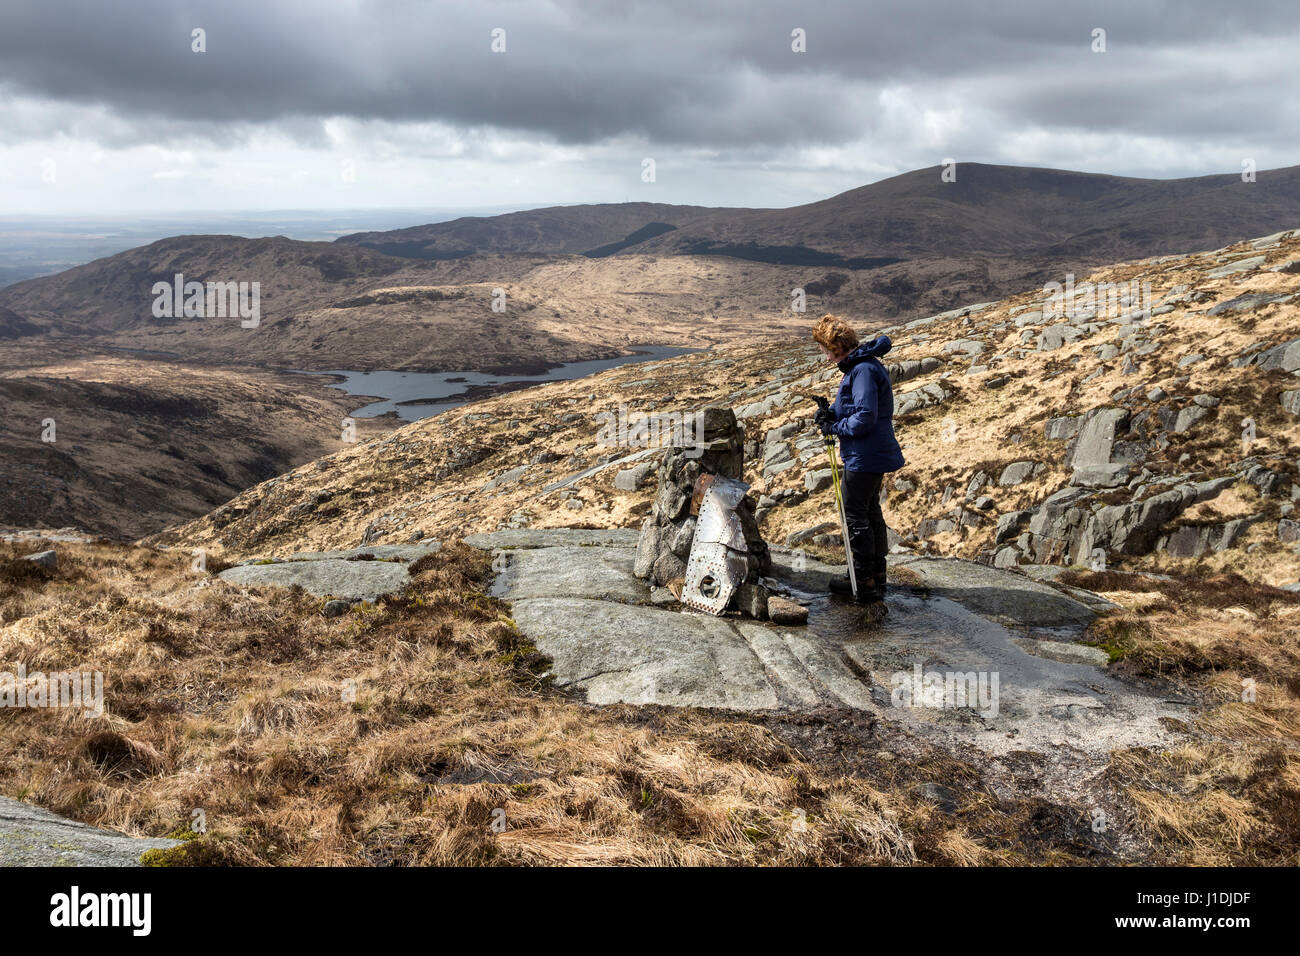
x: 583, y: 282
x: 988, y: 210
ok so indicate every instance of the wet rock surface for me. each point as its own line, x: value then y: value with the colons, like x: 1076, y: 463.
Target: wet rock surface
x: 611, y: 641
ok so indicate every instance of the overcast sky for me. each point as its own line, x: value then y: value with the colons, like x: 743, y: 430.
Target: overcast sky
x: 306, y: 104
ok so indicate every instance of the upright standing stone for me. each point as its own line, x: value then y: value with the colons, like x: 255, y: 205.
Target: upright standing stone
x: 669, y: 529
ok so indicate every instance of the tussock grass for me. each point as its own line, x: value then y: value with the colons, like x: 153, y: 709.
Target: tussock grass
x: 399, y: 734
x: 1232, y: 798
x: 394, y: 735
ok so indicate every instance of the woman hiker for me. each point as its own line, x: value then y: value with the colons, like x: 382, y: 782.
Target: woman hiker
x: 862, y: 417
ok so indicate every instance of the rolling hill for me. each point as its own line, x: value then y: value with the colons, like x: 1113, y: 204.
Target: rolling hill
x: 989, y: 210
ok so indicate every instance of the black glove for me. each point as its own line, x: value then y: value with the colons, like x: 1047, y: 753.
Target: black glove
x: 823, y: 420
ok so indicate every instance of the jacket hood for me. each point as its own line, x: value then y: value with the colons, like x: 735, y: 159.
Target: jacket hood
x: 868, y: 350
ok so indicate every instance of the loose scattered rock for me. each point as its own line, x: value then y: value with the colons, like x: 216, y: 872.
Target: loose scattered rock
x: 336, y: 608
x: 783, y: 611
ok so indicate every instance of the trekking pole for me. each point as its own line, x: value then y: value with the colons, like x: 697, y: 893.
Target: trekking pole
x: 829, y: 442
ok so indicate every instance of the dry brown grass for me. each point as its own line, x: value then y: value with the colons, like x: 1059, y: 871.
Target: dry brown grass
x: 234, y: 703
x: 1232, y: 798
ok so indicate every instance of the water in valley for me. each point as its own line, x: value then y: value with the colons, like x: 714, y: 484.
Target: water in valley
x: 416, y: 395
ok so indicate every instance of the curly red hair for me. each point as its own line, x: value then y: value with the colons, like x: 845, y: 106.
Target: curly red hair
x: 835, y: 334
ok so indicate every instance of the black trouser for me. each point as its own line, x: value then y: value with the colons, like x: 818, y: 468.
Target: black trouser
x: 868, y: 536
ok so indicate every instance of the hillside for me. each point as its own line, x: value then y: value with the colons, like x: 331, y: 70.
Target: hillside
x: 73, y: 341
x: 312, y: 731
x: 139, y: 445
x: 988, y: 211
x: 555, y: 230
x: 992, y: 402
x: 584, y: 282
x: 326, y: 307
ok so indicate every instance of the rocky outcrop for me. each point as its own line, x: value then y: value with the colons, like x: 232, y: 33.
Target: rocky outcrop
x: 31, y: 836
x: 926, y: 396
x: 1071, y: 523
x: 349, y: 574
x: 1090, y: 454
x: 608, y: 644
x: 345, y: 580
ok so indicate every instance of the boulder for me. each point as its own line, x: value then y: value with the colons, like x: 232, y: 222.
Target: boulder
x: 788, y: 430
x: 1097, y: 437
x: 633, y: 478
x: 1056, y: 525
x: 910, y: 369
x: 1232, y: 268
x: 924, y: 397
x: 807, y: 534
x: 1101, y: 476
x: 1187, y: 418
x: 1009, y: 524
x: 1018, y: 472
x: 1191, y: 541
x: 1285, y: 357
x: 335, y: 608
x: 505, y: 478
x: 967, y: 347
x: 1066, y: 427
x: 1055, y: 336
x: 786, y: 612
x: 347, y: 580
x: 818, y: 480
x: 776, y: 468
x: 1248, y: 302
x: 1268, y: 482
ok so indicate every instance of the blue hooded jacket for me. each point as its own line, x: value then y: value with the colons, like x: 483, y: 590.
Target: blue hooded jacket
x: 863, y: 411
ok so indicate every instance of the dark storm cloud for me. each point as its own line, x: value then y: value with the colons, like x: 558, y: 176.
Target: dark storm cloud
x: 717, y: 75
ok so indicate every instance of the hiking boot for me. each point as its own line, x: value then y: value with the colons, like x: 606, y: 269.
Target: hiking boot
x: 868, y: 591
x: 873, y: 614
x: 841, y: 585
